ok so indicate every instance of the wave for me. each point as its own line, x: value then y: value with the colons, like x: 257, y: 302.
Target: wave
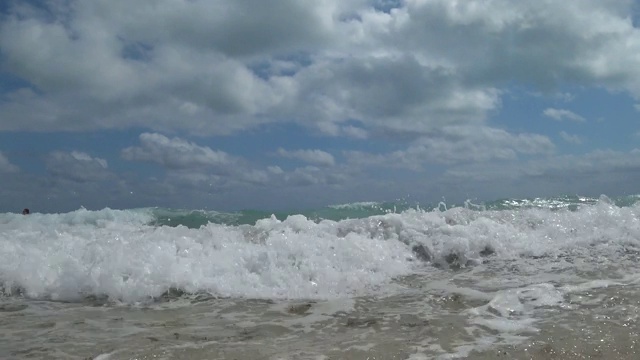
x: 359, y: 210
x: 140, y: 254
x: 198, y: 218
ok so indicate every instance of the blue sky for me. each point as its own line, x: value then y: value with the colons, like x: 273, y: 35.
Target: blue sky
x: 293, y: 104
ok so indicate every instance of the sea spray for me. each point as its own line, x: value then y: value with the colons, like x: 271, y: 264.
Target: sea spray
x: 130, y: 256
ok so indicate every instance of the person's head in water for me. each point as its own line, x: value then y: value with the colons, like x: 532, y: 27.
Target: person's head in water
x: 25, y: 211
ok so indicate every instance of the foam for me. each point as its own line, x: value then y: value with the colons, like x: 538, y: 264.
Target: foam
x: 294, y: 258
x: 511, y: 310
x: 355, y: 205
x: 117, y: 254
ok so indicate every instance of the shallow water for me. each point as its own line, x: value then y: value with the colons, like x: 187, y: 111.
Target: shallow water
x: 438, y: 316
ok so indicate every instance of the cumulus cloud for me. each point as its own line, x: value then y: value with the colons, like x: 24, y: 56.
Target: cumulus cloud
x: 275, y: 170
x: 561, y: 114
x: 77, y: 166
x: 222, y: 66
x: 333, y: 129
x: 418, y: 79
x: 455, y: 145
x: 312, y: 176
x: 594, y: 161
x: 187, y: 163
x: 317, y: 157
x: 573, y: 139
x: 600, y: 166
x: 176, y: 153
x: 6, y: 166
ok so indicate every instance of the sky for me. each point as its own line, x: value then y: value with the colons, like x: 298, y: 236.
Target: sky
x: 295, y: 104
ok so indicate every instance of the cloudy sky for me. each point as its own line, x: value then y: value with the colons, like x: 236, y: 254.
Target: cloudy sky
x: 289, y: 104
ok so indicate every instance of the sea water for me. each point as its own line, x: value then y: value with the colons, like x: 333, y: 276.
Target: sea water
x: 514, y: 279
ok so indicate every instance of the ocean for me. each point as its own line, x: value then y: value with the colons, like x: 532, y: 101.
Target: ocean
x: 548, y: 278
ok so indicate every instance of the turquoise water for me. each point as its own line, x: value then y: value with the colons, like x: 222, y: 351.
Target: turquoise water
x: 197, y: 218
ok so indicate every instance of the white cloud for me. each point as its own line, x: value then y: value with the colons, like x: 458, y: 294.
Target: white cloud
x: 566, y: 97
x: 6, y: 166
x: 355, y: 132
x: 312, y: 176
x: 317, y: 157
x: 306, y: 176
x: 601, y: 165
x: 333, y: 129
x: 458, y: 144
x: 221, y: 66
x: 424, y: 78
x: 176, y: 153
x: 561, y: 114
x: 255, y: 176
x: 573, y: 139
x: 187, y: 163
x: 77, y: 166
x: 393, y: 92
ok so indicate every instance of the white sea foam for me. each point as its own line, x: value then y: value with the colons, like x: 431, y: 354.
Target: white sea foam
x: 46, y: 257
x: 355, y: 205
x: 115, y: 253
x: 511, y: 310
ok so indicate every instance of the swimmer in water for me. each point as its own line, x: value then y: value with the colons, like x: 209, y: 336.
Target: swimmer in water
x: 25, y: 211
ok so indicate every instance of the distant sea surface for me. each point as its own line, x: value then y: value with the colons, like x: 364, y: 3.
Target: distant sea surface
x: 546, y: 278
